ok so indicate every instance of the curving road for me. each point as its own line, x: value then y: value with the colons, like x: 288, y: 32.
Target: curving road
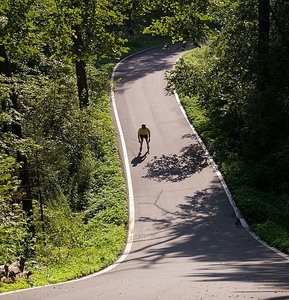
x: 186, y: 244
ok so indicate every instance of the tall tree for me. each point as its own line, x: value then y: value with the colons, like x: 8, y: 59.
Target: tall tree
x: 95, y: 34
x: 80, y: 67
x: 13, y: 15
x: 263, y: 44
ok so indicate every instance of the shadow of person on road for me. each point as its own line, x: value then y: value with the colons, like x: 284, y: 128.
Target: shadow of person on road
x: 177, y: 167
x: 139, y: 159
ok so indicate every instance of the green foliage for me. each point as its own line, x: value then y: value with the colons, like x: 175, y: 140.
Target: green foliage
x: 244, y: 128
x: 143, y: 41
x: 181, y: 20
x: 8, y: 182
x: 256, y: 205
x: 13, y: 225
x: 81, y: 184
x: 274, y: 234
x: 95, y: 23
x: 73, y: 159
x: 96, y: 252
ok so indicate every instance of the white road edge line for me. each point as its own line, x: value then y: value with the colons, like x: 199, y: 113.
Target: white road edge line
x: 225, y: 187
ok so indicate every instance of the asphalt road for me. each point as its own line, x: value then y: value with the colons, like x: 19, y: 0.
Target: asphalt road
x: 186, y: 244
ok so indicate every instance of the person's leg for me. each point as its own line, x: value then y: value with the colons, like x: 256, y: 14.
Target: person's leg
x: 141, y: 143
x: 148, y: 145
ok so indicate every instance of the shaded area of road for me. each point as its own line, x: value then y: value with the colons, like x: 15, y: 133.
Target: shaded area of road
x: 175, y: 167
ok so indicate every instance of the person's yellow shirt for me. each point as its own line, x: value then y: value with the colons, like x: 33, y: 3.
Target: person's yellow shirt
x: 143, y: 131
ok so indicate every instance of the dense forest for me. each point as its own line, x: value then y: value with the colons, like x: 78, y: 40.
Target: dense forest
x: 62, y: 191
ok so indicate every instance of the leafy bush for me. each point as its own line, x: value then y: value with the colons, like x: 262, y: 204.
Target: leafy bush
x: 257, y: 206
x: 221, y: 115
x: 13, y: 226
x: 81, y: 185
x: 274, y: 234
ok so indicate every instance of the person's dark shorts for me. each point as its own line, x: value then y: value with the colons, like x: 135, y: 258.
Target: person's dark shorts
x: 144, y: 136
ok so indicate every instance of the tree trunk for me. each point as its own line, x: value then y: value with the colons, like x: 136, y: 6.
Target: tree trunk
x: 280, y: 29
x: 81, y: 83
x: 5, y: 70
x: 263, y: 44
x: 80, y: 68
x: 16, y: 129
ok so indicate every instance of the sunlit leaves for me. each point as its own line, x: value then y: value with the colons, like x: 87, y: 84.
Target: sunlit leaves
x: 12, y: 220
x: 8, y: 180
x: 181, y: 20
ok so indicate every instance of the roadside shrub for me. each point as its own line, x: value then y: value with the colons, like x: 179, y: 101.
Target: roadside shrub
x: 13, y: 221
x: 274, y: 234
x: 218, y: 100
